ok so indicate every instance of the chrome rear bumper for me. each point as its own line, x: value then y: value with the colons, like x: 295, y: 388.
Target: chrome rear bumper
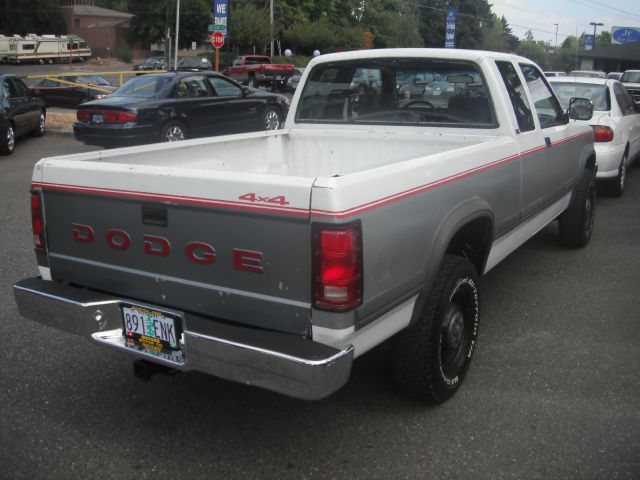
x: 284, y: 363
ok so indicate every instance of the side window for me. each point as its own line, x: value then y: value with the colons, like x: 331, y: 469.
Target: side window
x: 517, y: 95
x: 624, y: 99
x: 6, y: 90
x: 546, y: 104
x: 21, y: 89
x: 192, y: 87
x: 224, y: 88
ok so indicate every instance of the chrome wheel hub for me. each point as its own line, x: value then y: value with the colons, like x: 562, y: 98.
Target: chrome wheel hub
x: 272, y: 120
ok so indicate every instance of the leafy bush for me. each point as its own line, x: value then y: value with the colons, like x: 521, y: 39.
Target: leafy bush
x: 123, y: 52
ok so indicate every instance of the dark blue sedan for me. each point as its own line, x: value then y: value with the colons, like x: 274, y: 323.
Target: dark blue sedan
x: 172, y: 106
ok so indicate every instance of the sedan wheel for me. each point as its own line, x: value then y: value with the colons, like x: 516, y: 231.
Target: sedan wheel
x: 173, y: 132
x: 40, y: 129
x: 616, y: 187
x: 272, y: 120
x: 8, y: 141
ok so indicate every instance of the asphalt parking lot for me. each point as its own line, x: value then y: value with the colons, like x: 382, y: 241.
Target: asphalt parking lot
x: 553, y: 391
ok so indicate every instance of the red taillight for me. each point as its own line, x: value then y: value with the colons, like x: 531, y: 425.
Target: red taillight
x: 37, y: 224
x: 82, y: 115
x: 338, y: 267
x: 602, y: 133
x: 105, y: 116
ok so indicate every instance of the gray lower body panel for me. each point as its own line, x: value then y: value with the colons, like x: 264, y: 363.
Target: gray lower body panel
x: 285, y: 363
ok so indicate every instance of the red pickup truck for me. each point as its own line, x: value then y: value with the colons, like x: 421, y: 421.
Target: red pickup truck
x: 256, y: 70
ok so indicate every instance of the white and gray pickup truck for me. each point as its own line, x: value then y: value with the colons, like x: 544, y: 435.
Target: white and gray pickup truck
x: 276, y: 258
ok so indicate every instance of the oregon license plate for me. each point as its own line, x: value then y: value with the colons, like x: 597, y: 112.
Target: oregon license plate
x: 152, y: 329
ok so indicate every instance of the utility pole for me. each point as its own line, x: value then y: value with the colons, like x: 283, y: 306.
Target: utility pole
x: 271, y: 17
x: 175, y: 60
x: 555, y: 47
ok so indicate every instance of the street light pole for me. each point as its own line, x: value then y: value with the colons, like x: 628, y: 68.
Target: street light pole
x: 556, y: 44
x: 598, y: 24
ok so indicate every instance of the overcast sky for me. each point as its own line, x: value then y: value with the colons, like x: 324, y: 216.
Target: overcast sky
x: 541, y: 15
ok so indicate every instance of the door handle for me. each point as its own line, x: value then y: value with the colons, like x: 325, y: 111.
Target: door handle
x: 547, y: 142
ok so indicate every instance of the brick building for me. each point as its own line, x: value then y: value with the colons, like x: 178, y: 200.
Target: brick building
x: 104, y: 30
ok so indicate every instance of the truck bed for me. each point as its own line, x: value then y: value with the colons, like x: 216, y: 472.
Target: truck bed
x: 283, y: 153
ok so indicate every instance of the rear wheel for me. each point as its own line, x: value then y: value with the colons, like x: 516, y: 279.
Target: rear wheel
x: 431, y: 357
x: 576, y: 222
x: 616, y: 186
x: 173, y: 132
x: 41, y: 128
x: 7, y: 140
x: 272, y: 118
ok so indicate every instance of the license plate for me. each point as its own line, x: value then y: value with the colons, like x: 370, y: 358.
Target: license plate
x: 152, y: 329
x: 97, y: 118
x: 279, y: 77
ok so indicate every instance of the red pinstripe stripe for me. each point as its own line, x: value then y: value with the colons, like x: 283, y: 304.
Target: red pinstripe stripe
x: 299, y: 212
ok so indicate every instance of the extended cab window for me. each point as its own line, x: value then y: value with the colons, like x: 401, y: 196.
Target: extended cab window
x: 546, y: 104
x: 399, y: 91
x: 517, y: 95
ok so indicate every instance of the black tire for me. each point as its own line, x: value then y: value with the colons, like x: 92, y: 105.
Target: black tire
x: 173, y: 132
x: 7, y: 140
x: 576, y: 222
x: 41, y: 128
x: 431, y: 357
x: 616, y: 186
x: 272, y: 118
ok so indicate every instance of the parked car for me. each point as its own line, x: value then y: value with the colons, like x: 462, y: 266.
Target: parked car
x: 614, y: 75
x: 194, y: 63
x: 150, y: 64
x: 59, y: 92
x: 555, y: 74
x: 175, y: 106
x: 631, y: 81
x: 587, y: 73
x: 615, y: 122
x: 294, y: 80
x: 21, y: 111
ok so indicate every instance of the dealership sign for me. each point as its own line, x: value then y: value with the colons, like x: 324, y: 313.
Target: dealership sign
x: 620, y: 35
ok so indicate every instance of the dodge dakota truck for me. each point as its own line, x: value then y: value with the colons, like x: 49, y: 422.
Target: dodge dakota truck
x: 276, y: 258
x: 257, y: 70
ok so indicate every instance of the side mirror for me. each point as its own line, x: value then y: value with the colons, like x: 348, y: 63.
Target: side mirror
x: 580, y: 109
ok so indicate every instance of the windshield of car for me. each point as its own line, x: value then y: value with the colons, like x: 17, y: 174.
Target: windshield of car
x: 397, y: 91
x: 153, y: 60
x: 586, y: 73
x: 193, y: 62
x: 598, y: 94
x: 94, y: 79
x: 631, y: 77
x: 147, y: 86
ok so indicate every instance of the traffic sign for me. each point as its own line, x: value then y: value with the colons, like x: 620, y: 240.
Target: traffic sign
x: 217, y: 39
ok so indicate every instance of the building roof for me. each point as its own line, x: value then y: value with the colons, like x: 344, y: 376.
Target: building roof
x: 626, y: 52
x: 92, y: 11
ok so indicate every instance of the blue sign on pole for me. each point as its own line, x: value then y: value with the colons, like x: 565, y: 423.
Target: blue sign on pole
x: 588, y: 42
x: 220, y: 16
x: 450, y: 35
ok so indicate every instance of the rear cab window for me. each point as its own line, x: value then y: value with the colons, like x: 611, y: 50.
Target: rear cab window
x: 398, y: 91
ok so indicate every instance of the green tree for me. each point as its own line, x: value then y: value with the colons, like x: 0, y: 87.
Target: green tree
x: 534, y: 50
x: 249, y: 26
x: 31, y: 16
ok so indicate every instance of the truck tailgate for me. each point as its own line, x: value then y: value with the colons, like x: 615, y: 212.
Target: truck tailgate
x: 230, y: 245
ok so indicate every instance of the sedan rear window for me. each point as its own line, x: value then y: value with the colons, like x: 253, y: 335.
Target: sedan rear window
x: 147, y: 86
x: 598, y: 94
x: 397, y: 91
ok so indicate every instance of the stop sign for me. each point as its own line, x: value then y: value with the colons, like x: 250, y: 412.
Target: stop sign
x: 217, y: 39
